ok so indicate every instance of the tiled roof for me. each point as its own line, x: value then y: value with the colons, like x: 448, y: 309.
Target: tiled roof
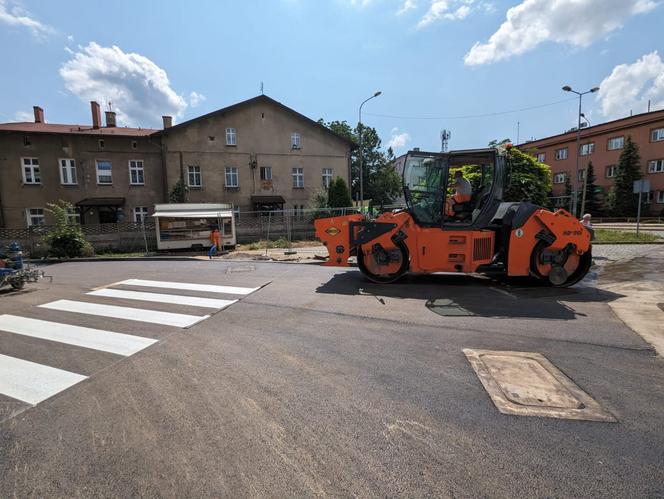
x: 30, y: 127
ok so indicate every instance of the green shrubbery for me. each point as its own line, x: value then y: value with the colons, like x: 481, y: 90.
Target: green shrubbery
x: 66, y: 240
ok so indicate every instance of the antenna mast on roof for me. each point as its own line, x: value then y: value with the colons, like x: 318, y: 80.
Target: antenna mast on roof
x: 262, y: 89
x: 445, y: 136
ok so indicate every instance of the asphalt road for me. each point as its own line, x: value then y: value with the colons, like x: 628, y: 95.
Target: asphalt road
x: 322, y: 384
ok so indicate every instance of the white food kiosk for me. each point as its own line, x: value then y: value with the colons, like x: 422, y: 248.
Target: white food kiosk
x: 188, y: 225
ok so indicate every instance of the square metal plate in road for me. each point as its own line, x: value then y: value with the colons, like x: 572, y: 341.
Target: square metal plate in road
x: 527, y: 384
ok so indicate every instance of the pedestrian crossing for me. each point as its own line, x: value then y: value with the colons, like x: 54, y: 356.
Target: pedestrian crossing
x: 29, y: 382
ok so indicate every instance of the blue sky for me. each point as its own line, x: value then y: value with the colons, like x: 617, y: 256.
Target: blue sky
x: 434, y: 61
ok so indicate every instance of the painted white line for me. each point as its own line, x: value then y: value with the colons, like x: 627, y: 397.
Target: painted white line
x: 162, y: 298
x: 96, y: 339
x: 132, y: 314
x: 189, y: 286
x: 31, y: 382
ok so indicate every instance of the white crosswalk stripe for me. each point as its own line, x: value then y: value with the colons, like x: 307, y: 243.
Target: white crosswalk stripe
x: 31, y: 382
x: 129, y: 313
x: 188, y: 286
x: 96, y: 339
x: 193, y: 301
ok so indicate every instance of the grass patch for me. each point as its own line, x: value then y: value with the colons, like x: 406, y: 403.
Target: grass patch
x: 121, y: 255
x: 609, y: 236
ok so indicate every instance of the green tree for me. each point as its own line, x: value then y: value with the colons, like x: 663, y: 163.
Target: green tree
x: 530, y: 180
x: 592, y: 205
x: 338, y: 195
x: 628, y: 170
x: 318, y: 200
x: 66, y: 240
x: 178, y: 193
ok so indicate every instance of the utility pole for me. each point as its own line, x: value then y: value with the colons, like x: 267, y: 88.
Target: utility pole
x: 361, y: 132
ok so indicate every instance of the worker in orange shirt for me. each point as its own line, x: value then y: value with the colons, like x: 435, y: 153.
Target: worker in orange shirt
x: 215, y: 239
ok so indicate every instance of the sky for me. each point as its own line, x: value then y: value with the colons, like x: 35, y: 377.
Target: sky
x: 482, y: 69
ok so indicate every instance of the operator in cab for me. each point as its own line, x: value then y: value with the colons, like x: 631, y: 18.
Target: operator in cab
x: 463, y: 191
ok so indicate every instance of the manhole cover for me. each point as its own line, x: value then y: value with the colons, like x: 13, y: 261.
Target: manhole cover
x: 527, y: 384
x: 447, y: 308
x: 245, y: 268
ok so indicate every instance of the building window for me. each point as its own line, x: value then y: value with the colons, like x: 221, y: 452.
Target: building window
x: 559, y: 178
x: 541, y: 157
x: 657, y: 134
x: 561, y: 153
x: 295, y: 140
x: 26, y: 141
x: 587, y: 149
x: 31, y: 174
x: 140, y: 214
x: 136, y: 172
x: 581, y: 175
x: 101, y: 143
x: 610, y: 171
x: 231, y: 177
x: 194, y: 178
x: 266, y: 173
x: 647, y: 197
x: 68, y: 172
x: 298, y: 177
x: 231, y: 137
x: 35, y: 216
x: 104, y: 172
x: 615, y: 143
x: 327, y: 177
x: 134, y: 144
x: 73, y: 216
x: 656, y: 166
x: 660, y: 197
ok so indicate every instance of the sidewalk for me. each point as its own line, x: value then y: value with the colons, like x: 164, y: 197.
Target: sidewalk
x: 640, y: 281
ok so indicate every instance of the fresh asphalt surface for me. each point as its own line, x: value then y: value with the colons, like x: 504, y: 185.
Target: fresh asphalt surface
x: 322, y: 384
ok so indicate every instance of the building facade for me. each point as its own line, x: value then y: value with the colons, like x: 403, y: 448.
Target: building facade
x: 602, y: 144
x: 257, y: 154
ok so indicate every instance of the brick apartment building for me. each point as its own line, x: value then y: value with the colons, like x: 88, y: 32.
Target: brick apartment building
x: 257, y: 154
x: 602, y: 145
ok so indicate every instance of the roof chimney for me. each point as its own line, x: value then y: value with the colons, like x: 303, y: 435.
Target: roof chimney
x: 168, y: 121
x: 39, y: 114
x: 96, y: 114
x: 110, y: 119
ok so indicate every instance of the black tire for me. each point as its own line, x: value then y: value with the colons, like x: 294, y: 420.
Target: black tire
x: 17, y: 283
x: 585, y: 262
x: 387, y: 278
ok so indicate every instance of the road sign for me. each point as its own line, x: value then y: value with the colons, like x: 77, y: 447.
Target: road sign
x: 642, y: 185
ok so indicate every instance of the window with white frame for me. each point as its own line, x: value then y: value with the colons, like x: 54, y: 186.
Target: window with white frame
x: 581, y: 175
x: 656, y: 166
x: 141, y: 214
x: 660, y: 197
x: 194, y: 178
x: 647, y: 197
x: 610, y: 171
x: 136, y: 172
x: 266, y: 173
x: 327, y: 177
x: 68, y: 172
x: 231, y: 177
x: 35, y: 216
x: 561, y: 153
x: 104, y: 172
x: 559, y: 178
x: 73, y: 216
x: 615, y: 143
x: 541, y: 157
x: 657, y: 134
x: 295, y: 140
x: 31, y: 173
x: 587, y: 149
x: 298, y: 177
x: 231, y: 137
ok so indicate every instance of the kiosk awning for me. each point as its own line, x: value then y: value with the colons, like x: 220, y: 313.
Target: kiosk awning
x: 193, y: 214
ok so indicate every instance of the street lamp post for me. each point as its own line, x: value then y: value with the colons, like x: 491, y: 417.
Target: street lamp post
x: 575, y: 180
x: 359, y: 126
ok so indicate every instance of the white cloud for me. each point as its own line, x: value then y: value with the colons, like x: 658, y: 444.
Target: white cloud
x: 137, y: 87
x: 576, y: 22
x: 630, y: 86
x: 23, y: 116
x: 452, y: 10
x: 195, y: 99
x: 13, y: 15
x: 398, y: 140
x: 406, y: 5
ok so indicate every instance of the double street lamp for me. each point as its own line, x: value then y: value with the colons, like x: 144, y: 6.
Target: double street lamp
x: 575, y: 180
x: 359, y: 126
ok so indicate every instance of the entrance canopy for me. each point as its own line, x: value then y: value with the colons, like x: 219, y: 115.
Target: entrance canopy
x: 268, y: 203
x: 193, y: 214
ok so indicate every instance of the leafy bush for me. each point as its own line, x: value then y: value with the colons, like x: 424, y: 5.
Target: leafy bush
x: 66, y: 240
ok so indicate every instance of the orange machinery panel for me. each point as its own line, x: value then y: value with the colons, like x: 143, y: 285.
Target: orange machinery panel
x: 435, y: 250
x: 335, y: 235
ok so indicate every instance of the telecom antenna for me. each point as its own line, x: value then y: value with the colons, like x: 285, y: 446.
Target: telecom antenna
x: 445, y: 137
x: 262, y: 89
